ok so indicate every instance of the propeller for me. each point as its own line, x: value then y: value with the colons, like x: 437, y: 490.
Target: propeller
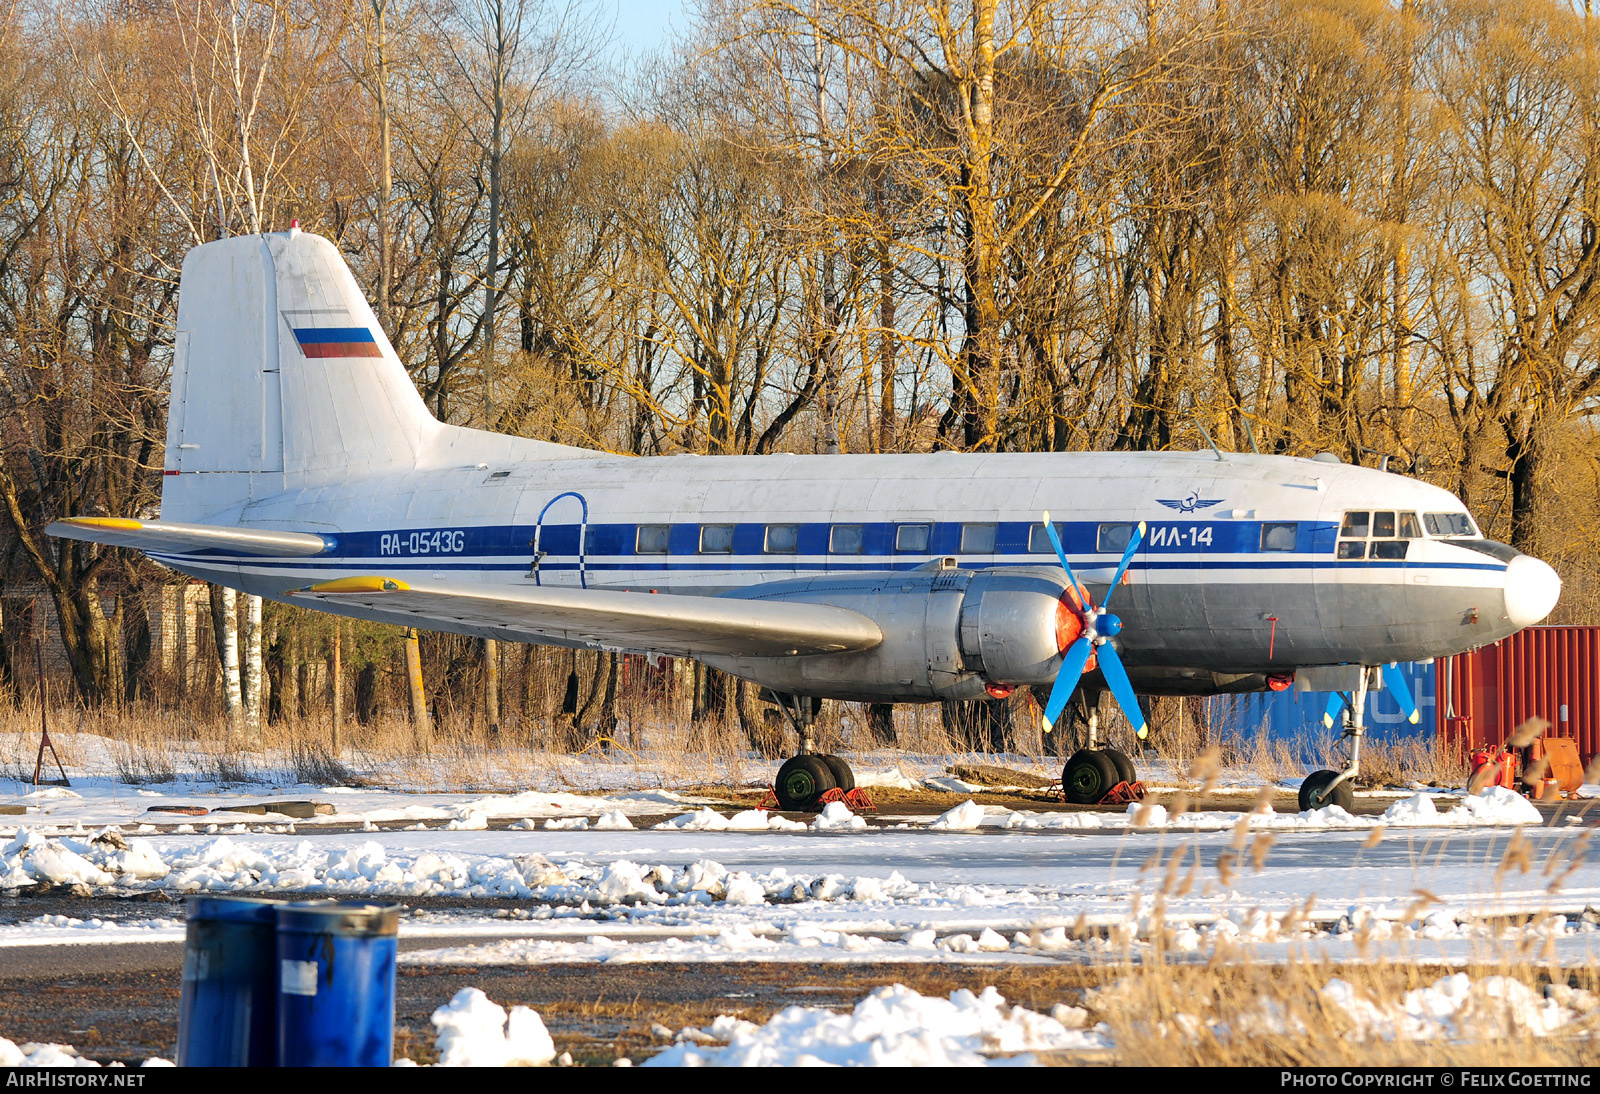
x: 1099, y: 627
x: 1395, y: 681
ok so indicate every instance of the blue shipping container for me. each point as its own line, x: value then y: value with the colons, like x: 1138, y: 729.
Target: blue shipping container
x: 1296, y: 716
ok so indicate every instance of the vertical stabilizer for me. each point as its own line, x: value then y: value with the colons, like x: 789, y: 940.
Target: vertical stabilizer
x: 281, y: 378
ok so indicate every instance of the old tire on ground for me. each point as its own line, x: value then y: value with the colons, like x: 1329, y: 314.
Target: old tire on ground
x: 843, y: 777
x: 1314, y: 792
x: 1087, y: 776
x: 1124, y: 766
x: 801, y: 781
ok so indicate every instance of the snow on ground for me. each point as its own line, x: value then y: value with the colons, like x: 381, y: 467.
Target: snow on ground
x: 893, y: 1027
x: 741, y: 889
x: 591, y: 881
x: 36, y: 1054
x: 510, y: 783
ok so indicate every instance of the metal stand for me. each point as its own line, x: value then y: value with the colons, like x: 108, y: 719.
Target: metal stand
x: 44, y: 731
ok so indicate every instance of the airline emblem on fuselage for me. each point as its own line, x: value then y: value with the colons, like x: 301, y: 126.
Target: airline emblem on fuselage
x: 1190, y: 502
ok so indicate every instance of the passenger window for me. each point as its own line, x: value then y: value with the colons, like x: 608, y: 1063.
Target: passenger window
x: 1279, y: 537
x: 912, y: 537
x: 1353, y: 548
x: 716, y: 539
x: 977, y: 539
x: 1409, y: 529
x: 783, y: 539
x: 1039, y: 540
x: 1112, y: 539
x: 653, y: 539
x: 1390, y: 549
x: 845, y: 539
x: 1383, y: 525
x: 1355, y: 525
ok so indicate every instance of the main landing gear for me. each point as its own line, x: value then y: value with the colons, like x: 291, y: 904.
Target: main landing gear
x: 807, y: 782
x: 1096, y: 774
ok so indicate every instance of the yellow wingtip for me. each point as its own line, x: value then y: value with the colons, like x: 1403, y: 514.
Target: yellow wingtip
x: 1144, y: 731
x: 1416, y: 716
x: 360, y: 585
x: 1327, y: 721
x: 119, y: 524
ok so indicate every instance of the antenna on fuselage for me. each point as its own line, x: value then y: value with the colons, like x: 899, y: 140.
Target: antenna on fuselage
x: 1198, y: 424
x: 1250, y: 435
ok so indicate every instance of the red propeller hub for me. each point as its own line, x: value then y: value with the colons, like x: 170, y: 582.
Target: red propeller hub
x: 1069, y: 620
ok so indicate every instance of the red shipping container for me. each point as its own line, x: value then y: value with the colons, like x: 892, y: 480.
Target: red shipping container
x: 1549, y: 672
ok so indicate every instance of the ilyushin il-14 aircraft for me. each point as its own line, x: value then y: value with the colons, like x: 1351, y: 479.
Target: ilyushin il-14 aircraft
x: 302, y: 465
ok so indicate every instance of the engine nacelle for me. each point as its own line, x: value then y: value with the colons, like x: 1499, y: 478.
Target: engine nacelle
x: 947, y: 634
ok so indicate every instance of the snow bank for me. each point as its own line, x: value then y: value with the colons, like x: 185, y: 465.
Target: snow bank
x: 1457, y: 1009
x: 836, y: 817
x: 963, y: 818
x: 1495, y: 806
x: 35, y: 1054
x: 709, y: 820
x: 892, y: 1027
x: 474, y: 1032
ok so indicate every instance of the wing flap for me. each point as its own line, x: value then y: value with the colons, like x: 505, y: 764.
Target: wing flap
x: 172, y: 537
x: 666, y: 623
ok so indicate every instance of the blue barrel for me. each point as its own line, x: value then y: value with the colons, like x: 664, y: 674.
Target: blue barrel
x: 228, y: 1016
x: 336, y: 984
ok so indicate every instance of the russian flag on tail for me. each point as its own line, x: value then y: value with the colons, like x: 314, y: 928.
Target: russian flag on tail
x: 337, y: 342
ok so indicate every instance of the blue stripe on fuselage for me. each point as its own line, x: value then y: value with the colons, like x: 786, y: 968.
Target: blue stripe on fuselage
x: 878, y: 540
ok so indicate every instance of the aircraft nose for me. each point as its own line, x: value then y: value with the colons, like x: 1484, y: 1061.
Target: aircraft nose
x: 1532, y: 589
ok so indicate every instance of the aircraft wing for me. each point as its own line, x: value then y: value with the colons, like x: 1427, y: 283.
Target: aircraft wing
x: 173, y: 537
x: 665, y: 623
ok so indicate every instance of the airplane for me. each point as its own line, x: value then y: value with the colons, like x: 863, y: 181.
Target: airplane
x: 301, y: 465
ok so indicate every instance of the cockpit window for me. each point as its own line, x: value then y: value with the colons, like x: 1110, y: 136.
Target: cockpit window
x: 1449, y: 524
x: 1382, y: 535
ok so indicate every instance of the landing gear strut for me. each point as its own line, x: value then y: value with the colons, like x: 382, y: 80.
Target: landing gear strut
x: 1324, y: 788
x: 1095, y: 774
x: 805, y: 780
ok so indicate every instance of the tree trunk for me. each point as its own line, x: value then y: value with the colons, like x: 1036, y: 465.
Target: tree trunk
x: 880, y: 722
x: 253, y: 676
x: 225, y: 625
x: 336, y: 684
x: 491, y: 684
x: 380, y: 9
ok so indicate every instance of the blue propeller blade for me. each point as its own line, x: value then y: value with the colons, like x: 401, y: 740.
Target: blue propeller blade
x: 1116, y: 676
x: 1396, y: 680
x: 1072, y: 663
x: 1055, y: 541
x: 1127, y: 557
x: 1335, y: 705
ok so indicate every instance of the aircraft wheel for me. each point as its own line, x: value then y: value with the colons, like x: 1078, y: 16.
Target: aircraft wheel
x: 843, y: 777
x: 1088, y: 775
x: 1125, y: 772
x: 801, y: 781
x: 1314, y: 792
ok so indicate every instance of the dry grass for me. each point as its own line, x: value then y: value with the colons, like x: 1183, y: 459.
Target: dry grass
x: 1232, y: 1013
x: 657, y: 746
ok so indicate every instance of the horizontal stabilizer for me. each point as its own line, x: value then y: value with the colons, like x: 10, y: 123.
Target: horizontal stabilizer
x: 664, y: 623
x: 172, y: 538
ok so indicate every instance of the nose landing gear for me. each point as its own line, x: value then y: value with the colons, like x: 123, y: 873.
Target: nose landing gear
x: 1324, y: 788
